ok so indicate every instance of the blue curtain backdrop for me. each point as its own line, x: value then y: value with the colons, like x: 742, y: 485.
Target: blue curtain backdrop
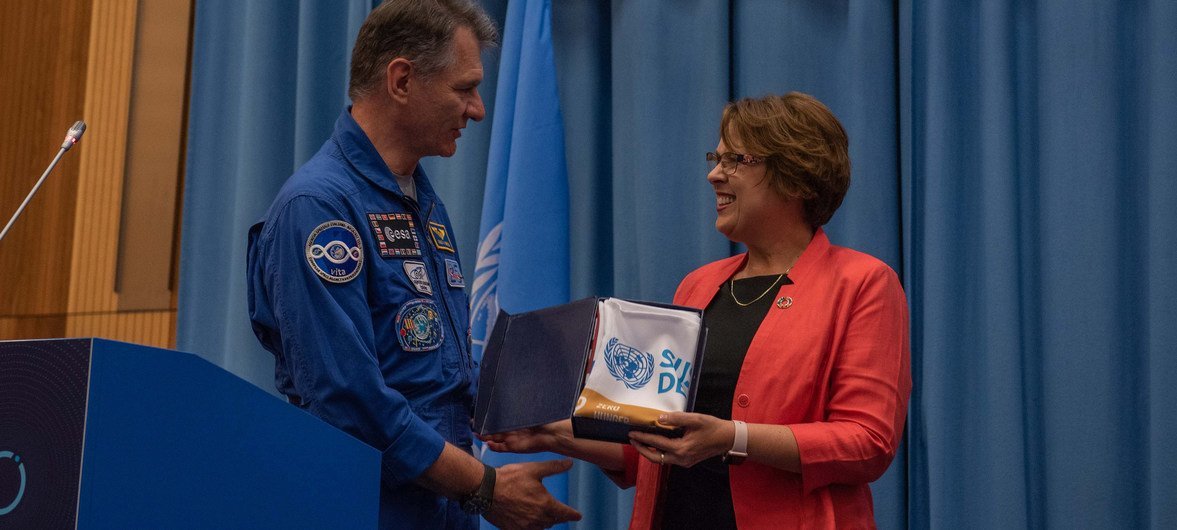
x: 1015, y: 161
x: 1040, y: 156
x: 522, y: 260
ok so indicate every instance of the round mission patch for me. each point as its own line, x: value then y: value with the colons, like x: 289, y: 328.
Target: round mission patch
x: 334, y: 251
x: 418, y: 326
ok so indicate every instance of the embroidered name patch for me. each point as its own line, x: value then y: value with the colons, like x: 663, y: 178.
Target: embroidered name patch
x: 395, y: 234
x: 441, y: 237
x: 334, y: 251
x: 453, y: 273
x: 418, y: 326
x: 418, y: 276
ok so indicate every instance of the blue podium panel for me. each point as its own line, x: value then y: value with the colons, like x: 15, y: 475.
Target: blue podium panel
x: 172, y: 441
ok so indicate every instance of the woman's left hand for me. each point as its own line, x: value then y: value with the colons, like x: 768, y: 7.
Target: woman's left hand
x: 703, y: 437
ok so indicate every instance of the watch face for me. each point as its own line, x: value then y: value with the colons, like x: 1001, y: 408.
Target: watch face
x: 479, y: 502
x: 476, y: 504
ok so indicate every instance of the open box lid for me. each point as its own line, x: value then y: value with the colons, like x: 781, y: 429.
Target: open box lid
x: 532, y: 367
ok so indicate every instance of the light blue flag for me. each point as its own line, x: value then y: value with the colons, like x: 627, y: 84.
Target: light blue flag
x: 523, y: 250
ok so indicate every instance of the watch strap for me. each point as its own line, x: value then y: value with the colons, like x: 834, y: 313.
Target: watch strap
x: 739, y: 450
x: 479, y: 501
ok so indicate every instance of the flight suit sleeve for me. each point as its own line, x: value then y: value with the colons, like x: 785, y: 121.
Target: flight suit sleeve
x: 317, y: 292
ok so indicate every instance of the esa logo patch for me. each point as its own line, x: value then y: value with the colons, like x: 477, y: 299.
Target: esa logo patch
x: 395, y: 234
x: 631, y: 366
x: 334, y: 251
x: 418, y: 326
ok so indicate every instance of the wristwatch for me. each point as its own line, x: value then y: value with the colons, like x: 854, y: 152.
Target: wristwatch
x: 739, y: 451
x: 479, y: 501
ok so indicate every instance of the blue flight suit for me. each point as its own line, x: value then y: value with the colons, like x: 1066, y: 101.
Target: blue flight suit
x: 357, y: 291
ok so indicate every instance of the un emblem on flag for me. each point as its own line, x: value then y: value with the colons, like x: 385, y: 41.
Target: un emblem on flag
x: 627, y: 364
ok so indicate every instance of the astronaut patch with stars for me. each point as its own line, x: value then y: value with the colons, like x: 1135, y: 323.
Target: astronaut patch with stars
x: 334, y: 251
x: 418, y: 326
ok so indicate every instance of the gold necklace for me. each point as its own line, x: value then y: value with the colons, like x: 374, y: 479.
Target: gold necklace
x: 731, y: 289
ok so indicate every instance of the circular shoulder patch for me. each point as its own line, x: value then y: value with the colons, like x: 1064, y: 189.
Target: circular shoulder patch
x: 418, y: 326
x: 334, y: 251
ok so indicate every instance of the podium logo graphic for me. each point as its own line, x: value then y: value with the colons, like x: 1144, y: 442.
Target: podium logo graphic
x: 631, y: 366
x: 20, y: 492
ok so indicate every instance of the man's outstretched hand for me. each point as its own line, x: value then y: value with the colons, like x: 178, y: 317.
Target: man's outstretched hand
x: 521, y: 501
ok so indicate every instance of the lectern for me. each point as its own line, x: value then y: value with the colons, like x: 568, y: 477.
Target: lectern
x: 102, y: 434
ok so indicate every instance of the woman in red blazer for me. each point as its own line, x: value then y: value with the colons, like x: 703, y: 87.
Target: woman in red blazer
x: 803, y: 395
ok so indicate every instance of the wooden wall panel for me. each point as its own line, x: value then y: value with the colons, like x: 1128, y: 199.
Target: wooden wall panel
x: 43, y: 61
x: 100, y: 177
x: 31, y: 327
x: 154, y: 157
x: 153, y: 328
x: 100, y: 61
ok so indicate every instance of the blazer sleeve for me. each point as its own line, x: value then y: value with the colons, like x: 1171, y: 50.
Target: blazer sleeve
x: 870, y: 382
x: 626, y: 477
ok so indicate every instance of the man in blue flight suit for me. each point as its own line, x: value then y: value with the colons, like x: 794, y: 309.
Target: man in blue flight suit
x: 355, y: 284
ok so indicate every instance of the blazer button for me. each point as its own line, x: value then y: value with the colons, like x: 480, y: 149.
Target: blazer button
x: 742, y: 400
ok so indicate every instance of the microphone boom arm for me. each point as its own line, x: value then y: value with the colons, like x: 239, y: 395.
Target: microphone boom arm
x: 71, y: 138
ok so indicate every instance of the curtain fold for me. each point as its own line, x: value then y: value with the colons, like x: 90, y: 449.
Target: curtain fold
x: 1158, y: 101
x: 268, y: 80
x: 1034, y: 169
x: 669, y: 82
x: 1013, y: 161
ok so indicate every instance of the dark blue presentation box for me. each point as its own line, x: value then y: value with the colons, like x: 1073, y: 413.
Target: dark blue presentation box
x: 535, y: 365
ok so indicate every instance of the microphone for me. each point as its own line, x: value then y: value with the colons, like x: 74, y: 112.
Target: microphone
x: 71, y: 137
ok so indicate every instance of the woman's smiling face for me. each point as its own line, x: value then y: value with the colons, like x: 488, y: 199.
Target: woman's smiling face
x: 746, y: 204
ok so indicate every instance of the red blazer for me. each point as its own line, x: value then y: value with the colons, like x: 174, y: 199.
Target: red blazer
x: 835, y: 367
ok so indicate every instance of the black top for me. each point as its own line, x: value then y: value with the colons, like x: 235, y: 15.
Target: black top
x: 701, y: 496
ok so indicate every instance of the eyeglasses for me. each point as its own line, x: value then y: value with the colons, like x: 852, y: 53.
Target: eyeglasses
x: 729, y: 161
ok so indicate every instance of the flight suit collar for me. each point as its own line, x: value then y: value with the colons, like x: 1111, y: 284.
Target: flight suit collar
x: 357, y: 148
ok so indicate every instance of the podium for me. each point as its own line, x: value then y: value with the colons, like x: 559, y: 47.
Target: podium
x: 102, y: 434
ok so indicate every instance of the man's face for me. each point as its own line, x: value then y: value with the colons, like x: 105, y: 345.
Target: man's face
x: 449, y: 98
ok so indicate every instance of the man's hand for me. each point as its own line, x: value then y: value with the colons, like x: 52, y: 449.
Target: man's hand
x: 521, y: 501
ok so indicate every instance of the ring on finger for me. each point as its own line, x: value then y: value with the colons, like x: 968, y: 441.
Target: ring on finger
x: 661, y: 458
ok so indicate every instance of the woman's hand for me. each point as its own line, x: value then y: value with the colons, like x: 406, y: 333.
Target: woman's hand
x: 557, y: 437
x: 703, y: 437
x: 550, y: 437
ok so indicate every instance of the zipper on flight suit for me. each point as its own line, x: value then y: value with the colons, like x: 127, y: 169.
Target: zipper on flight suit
x: 462, y: 350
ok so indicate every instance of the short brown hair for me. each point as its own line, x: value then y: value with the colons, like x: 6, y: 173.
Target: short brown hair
x: 419, y: 30
x: 808, y: 154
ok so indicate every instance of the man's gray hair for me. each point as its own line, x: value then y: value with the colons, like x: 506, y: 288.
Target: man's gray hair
x: 419, y: 30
